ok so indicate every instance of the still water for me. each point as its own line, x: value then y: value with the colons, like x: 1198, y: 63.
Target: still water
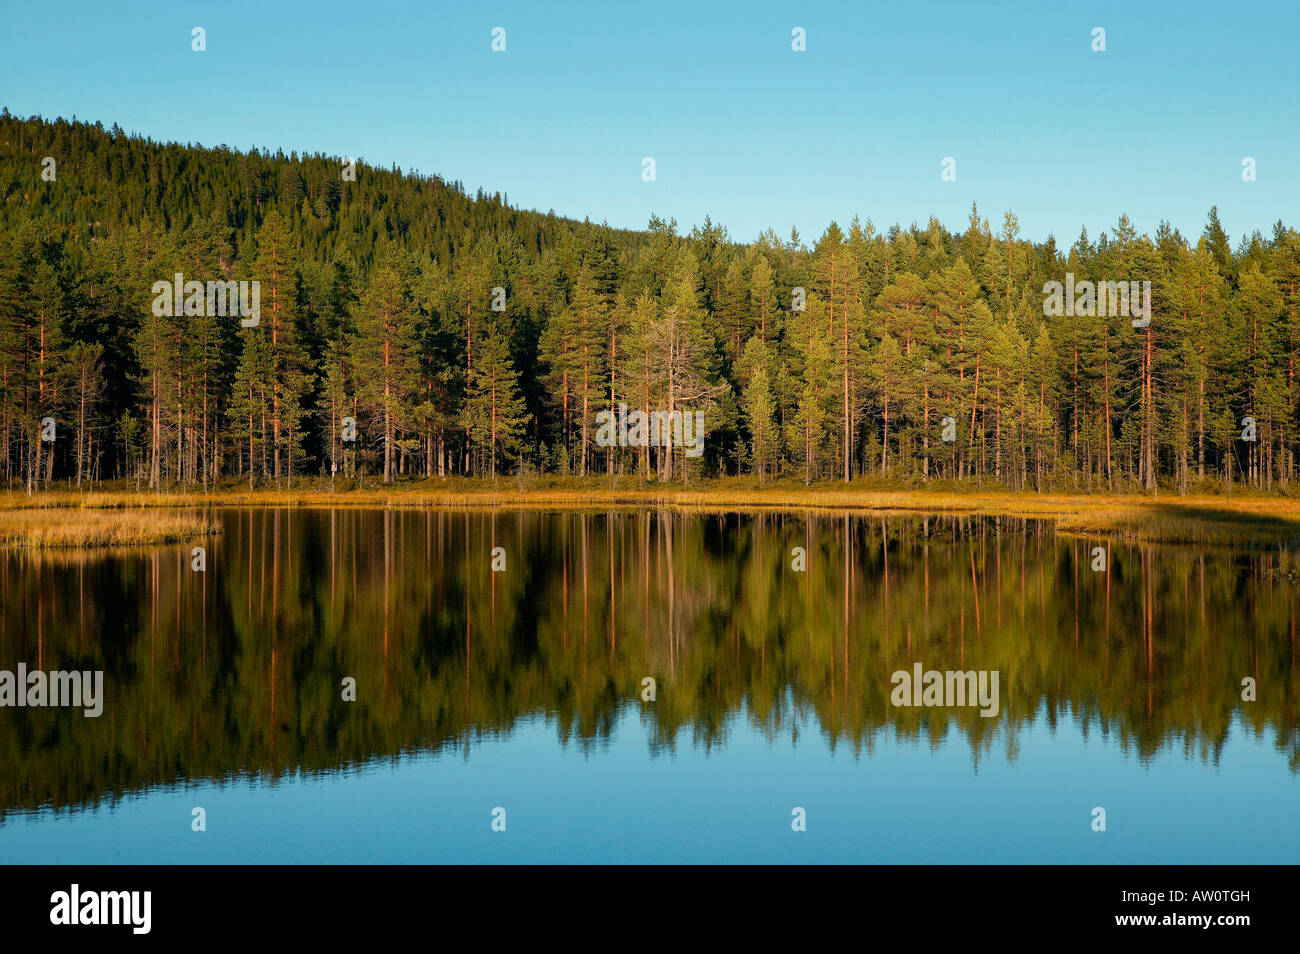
x: 524, y: 689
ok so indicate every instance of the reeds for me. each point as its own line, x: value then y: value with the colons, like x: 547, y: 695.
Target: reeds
x: 1251, y: 520
x: 81, y: 527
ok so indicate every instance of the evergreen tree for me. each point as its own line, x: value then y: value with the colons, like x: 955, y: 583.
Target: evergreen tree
x: 494, y: 408
x: 384, y: 351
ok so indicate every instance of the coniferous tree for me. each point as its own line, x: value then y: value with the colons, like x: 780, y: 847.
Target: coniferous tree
x: 384, y: 352
x: 494, y: 408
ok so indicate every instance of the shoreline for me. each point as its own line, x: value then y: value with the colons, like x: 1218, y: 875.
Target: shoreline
x: 1248, y: 520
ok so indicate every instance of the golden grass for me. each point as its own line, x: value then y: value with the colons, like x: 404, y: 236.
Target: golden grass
x: 1207, y: 519
x: 40, y: 529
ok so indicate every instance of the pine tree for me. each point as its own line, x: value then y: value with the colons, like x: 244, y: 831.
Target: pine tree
x: 86, y: 373
x: 682, y: 353
x: 494, y: 408
x: 385, y: 355
x: 289, y: 379
x: 758, y: 405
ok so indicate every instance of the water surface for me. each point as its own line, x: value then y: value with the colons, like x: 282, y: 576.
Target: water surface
x: 523, y: 690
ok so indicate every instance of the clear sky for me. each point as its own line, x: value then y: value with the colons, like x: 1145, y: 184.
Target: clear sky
x: 741, y: 127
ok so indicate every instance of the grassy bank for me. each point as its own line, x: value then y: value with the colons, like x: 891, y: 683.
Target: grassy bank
x: 69, y: 527
x: 1257, y: 520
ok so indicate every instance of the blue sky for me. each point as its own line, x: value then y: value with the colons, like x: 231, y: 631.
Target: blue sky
x: 741, y: 127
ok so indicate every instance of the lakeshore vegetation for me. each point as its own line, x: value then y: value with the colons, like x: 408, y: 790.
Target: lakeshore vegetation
x: 467, y: 337
x: 118, y: 514
x: 86, y: 527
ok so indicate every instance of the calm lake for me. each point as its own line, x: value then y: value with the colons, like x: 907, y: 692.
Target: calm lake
x: 524, y: 689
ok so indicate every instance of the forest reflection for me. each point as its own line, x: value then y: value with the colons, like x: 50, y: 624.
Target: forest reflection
x: 238, y: 670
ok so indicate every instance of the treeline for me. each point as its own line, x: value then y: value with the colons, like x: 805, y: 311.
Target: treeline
x: 458, y: 335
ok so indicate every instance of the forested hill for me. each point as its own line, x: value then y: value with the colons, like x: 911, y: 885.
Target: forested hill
x: 456, y: 335
x: 108, y: 180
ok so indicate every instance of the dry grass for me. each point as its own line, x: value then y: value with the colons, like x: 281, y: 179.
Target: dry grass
x: 1210, y: 524
x: 42, y: 530
x: 1251, y: 520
